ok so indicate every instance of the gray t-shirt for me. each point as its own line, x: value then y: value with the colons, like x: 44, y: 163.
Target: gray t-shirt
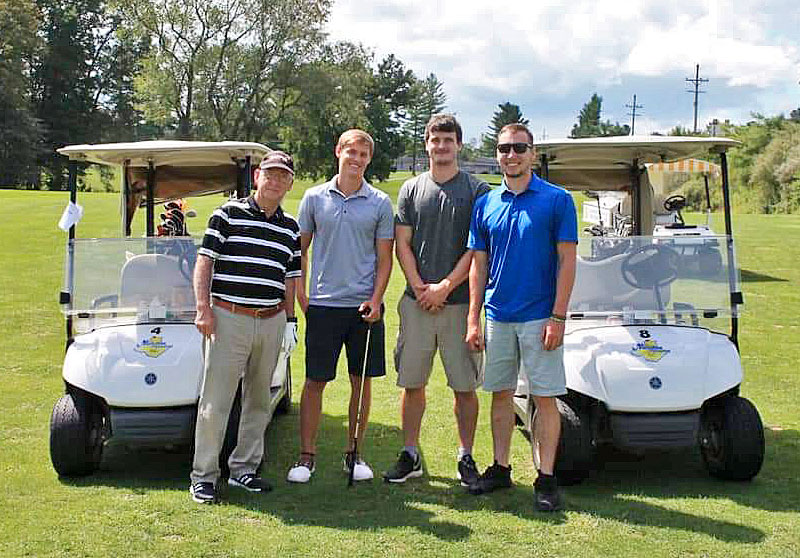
x: 439, y: 216
x: 344, y: 259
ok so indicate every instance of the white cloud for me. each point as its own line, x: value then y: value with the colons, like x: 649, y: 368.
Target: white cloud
x: 540, y: 53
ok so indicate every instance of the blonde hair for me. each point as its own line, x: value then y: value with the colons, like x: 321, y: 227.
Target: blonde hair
x: 355, y: 135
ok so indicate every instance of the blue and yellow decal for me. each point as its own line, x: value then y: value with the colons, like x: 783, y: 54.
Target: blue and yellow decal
x: 650, y: 350
x: 153, y: 347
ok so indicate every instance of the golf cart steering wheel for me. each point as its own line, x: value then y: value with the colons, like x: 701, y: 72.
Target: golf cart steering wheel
x: 675, y: 203
x: 650, y: 267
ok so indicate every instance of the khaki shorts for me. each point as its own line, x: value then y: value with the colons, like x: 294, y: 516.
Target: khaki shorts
x: 421, y: 333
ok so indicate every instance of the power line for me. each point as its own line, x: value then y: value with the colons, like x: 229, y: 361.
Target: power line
x: 633, y: 106
x: 697, y: 81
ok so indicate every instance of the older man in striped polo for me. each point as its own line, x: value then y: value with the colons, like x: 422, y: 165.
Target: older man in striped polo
x: 244, y: 284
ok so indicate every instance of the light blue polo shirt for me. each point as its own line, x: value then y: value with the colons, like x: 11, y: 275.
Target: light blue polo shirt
x: 520, y: 233
x: 344, y: 258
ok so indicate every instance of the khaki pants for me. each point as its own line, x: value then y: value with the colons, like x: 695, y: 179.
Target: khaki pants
x: 242, y: 347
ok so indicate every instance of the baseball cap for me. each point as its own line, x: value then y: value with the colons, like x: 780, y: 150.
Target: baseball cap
x: 277, y: 160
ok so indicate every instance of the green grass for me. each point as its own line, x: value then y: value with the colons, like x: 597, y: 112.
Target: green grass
x: 138, y: 504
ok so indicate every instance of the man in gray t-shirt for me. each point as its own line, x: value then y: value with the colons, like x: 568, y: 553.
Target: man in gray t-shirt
x: 431, y: 230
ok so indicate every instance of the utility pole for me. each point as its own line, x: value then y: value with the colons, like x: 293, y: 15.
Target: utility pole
x: 633, y: 106
x: 697, y: 81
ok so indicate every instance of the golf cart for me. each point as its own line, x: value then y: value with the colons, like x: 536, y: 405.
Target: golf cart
x: 134, y: 359
x: 651, y: 345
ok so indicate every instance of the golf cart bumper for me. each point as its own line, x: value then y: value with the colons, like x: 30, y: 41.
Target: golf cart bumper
x: 654, y: 430
x: 153, y: 426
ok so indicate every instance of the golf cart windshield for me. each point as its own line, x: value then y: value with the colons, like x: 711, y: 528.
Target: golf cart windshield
x: 675, y: 280
x: 132, y: 280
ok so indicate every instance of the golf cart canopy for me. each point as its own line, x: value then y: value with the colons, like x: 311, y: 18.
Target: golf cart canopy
x: 171, y: 169
x: 183, y: 168
x: 606, y: 163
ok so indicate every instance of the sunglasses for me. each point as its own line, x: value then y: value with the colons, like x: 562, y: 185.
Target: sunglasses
x: 519, y: 148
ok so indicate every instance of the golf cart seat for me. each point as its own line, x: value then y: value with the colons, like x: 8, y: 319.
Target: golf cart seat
x: 599, y: 286
x: 147, y: 277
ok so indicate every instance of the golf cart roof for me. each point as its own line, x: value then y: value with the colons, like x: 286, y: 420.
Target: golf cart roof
x: 166, y: 152
x: 606, y: 163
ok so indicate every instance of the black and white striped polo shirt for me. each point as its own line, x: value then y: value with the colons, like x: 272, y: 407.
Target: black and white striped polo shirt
x: 252, y: 255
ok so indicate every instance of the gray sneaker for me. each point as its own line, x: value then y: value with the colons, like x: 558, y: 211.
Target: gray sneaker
x: 406, y: 468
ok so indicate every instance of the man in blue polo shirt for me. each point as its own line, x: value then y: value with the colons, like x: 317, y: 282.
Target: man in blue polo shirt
x: 524, y: 237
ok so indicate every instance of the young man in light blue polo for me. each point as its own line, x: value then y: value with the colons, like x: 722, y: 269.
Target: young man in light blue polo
x: 351, y: 225
x: 524, y: 237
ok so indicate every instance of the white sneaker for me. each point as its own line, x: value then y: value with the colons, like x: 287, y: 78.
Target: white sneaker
x: 301, y: 472
x: 361, y: 472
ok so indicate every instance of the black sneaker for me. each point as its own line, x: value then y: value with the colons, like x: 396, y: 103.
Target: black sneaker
x: 495, y: 476
x: 546, y: 495
x: 251, y: 483
x: 406, y: 467
x: 468, y: 472
x: 203, y: 492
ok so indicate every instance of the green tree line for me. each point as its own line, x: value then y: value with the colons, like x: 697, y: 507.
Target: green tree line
x: 91, y: 71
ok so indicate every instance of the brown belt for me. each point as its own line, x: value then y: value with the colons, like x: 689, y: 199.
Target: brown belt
x: 264, y: 312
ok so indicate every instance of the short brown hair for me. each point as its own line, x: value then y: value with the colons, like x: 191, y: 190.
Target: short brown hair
x: 443, y: 123
x: 516, y: 127
x: 354, y: 135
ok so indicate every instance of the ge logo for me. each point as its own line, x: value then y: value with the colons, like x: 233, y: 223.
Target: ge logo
x: 150, y: 379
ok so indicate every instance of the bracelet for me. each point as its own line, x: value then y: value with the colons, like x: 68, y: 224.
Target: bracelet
x: 558, y: 319
x: 292, y: 319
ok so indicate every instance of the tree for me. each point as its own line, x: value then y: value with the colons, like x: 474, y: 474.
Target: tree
x: 67, y: 88
x: 328, y: 100
x: 427, y: 99
x: 506, y: 113
x: 386, y: 102
x: 224, y: 68
x: 20, y: 131
x: 590, y: 124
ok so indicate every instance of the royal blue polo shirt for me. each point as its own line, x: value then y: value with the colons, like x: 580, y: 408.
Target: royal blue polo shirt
x: 520, y: 233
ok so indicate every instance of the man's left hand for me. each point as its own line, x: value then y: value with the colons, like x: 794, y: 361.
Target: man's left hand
x: 290, y: 337
x: 552, y: 335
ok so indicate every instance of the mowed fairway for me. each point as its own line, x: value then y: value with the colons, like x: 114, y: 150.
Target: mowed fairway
x: 138, y: 503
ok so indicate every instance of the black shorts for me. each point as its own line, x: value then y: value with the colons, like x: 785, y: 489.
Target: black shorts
x: 328, y: 328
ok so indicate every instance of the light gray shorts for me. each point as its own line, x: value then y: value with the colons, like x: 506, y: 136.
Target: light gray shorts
x: 421, y: 333
x: 511, y: 345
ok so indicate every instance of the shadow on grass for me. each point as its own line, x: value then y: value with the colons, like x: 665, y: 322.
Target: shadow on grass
x: 615, y: 493
x: 624, y: 478
x: 755, y: 277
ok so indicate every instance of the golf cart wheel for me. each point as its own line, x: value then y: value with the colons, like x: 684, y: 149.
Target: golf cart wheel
x: 732, y: 439
x: 575, y: 455
x: 76, y: 435
x: 285, y: 403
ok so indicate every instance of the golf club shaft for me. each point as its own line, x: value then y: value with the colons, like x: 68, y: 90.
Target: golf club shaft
x: 358, y: 408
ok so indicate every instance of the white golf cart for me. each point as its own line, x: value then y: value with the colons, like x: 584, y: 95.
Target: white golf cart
x: 651, y: 350
x: 134, y: 359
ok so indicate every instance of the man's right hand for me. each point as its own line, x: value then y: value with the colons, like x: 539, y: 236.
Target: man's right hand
x: 474, y: 337
x: 204, y: 320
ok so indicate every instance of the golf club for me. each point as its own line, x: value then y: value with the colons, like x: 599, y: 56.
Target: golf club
x: 353, y: 455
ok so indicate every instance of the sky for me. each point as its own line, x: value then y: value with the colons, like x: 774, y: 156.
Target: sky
x: 549, y: 56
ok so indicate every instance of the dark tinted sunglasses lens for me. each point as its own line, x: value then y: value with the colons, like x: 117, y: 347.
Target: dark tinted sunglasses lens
x: 517, y: 147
